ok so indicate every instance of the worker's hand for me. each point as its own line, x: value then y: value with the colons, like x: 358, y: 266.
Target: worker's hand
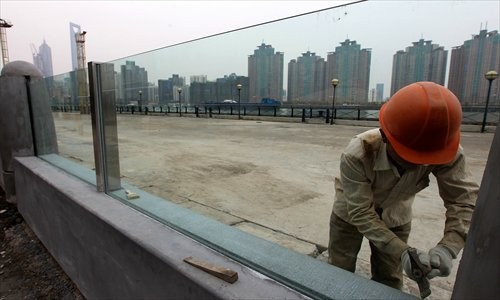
x: 441, y: 262
x: 406, y: 263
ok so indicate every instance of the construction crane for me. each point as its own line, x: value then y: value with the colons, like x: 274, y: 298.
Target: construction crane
x: 80, y: 49
x: 3, y: 40
x: 34, y: 52
x: 83, y: 98
x: 36, y: 57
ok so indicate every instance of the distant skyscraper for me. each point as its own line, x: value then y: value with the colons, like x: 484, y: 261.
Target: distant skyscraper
x: 306, y: 78
x: 226, y: 87
x: 167, y: 89
x: 379, y: 93
x: 73, y: 30
x: 43, y: 60
x: 265, y: 74
x: 222, y: 89
x: 423, y: 61
x: 351, y: 65
x: 198, y: 78
x: 134, y: 80
x: 468, y: 64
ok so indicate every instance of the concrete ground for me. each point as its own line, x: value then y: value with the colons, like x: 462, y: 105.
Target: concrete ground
x: 272, y: 179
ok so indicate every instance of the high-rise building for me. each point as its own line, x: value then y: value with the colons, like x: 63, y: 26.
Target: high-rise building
x: 134, y: 80
x: 43, y: 59
x: 424, y: 61
x: 306, y: 79
x: 265, y: 74
x: 197, y: 78
x: 379, y: 92
x: 351, y: 66
x: 224, y: 88
x: 167, y: 89
x: 73, y: 30
x: 227, y: 87
x: 202, y: 92
x: 468, y: 64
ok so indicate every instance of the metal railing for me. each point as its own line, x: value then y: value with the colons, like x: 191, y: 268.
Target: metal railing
x: 471, y: 114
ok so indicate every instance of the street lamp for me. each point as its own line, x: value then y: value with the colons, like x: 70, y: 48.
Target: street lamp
x: 334, y: 83
x: 238, y: 86
x: 490, y: 76
x: 179, y: 90
x: 140, y: 101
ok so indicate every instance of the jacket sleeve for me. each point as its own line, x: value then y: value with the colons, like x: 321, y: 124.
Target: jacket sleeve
x: 459, y: 192
x: 360, y: 207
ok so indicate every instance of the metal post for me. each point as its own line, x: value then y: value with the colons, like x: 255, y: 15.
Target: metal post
x: 179, y: 90
x: 238, y: 86
x: 140, y: 101
x: 104, y: 126
x: 490, y: 76
x: 334, y: 83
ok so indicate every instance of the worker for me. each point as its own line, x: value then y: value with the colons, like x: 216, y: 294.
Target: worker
x: 382, y: 169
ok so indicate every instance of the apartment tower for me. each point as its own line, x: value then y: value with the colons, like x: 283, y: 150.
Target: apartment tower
x: 468, y: 64
x: 265, y: 74
x: 424, y: 61
x: 306, y: 79
x: 351, y: 66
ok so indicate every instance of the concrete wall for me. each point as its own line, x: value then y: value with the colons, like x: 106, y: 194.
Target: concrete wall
x: 113, y: 251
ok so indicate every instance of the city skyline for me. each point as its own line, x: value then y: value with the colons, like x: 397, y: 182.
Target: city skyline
x: 383, y: 26
x: 309, y: 74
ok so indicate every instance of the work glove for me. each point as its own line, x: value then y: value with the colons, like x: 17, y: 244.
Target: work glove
x: 406, y: 262
x: 441, y: 261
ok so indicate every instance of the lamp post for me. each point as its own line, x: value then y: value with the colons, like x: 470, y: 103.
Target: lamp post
x: 334, y: 83
x: 66, y: 103
x: 179, y: 90
x: 238, y: 86
x: 140, y: 101
x: 490, y: 76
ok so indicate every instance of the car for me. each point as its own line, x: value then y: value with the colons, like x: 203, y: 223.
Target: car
x: 229, y: 101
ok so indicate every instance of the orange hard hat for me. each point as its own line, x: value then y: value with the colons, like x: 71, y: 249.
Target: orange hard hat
x: 422, y: 123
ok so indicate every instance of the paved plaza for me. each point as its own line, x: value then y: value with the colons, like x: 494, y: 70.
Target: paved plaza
x: 272, y: 179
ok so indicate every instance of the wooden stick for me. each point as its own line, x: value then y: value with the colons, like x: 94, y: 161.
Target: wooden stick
x: 225, y: 274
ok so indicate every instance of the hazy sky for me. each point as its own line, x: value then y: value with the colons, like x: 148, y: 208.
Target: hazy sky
x: 118, y: 29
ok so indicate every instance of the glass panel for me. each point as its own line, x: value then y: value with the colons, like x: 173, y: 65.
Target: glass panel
x: 66, y: 95
x: 275, y: 180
